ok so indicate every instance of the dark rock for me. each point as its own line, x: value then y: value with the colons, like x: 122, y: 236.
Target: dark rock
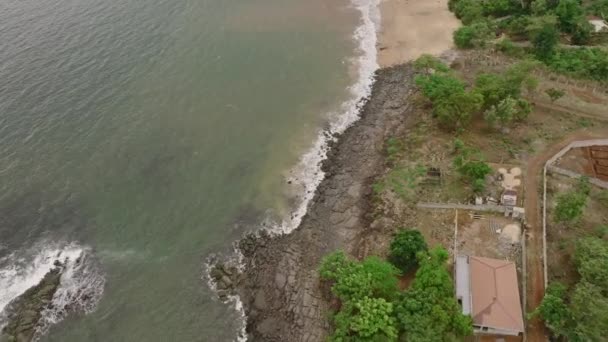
x: 25, y: 311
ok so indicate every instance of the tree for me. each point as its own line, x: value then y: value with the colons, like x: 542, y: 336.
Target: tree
x: 590, y: 312
x: 452, y: 104
x: 366, y: 319
x: 456, y: 111
x: 555, y: 94
x: 428, y: 311
x: 582, y: 31
x: 352, y: 280
x: 502, y: 113
x: 570, y: 205
x: 439, y: 86
x: 468, y: 11
x: 405, y: 246
x: 545, y: 42
x: 474, y: 35
x: 569, y: 13
x: 554, y: 310
x: 591, y: 257
x: 539, y: 7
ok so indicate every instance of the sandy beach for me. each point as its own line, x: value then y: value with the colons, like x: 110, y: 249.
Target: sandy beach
x: 411, y: 28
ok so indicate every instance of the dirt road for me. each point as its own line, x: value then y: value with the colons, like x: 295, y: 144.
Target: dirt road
x: 533, y: 202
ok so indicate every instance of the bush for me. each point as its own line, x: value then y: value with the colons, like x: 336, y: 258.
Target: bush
x: 428, y: 311
x: 545, y: 42
x: 468, y: 11
x: 365, y: 319
x: 589, y: 63
x: 351, y: 280
x: 473, y: 36
x: 570, y: 205
x: 405, y: 246
x: 554, y: 310
x: 555, y: 94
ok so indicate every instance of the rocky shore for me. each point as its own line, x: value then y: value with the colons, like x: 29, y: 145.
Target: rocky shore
x: 24, y: 313
x: 280, y: 287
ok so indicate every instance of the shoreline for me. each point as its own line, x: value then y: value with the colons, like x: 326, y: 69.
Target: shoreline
x: 279, y: 287
x: 276, y: 287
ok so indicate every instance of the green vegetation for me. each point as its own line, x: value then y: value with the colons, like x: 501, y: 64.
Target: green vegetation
x: 580, y: 314
x: 555, y: 94
x: 545, y: 23
x: 499, y: 94
x: 571, y: 204
x: 472, y: 167
x: 374, y: 309
x: 401, y: 180
x: 428, y: 310
x: 406, y: 244
x: 473, y: 36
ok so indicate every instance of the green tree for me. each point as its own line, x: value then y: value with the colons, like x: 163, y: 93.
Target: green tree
x: 365, y: 319
x: 456, y: 111
x: 406, y: 244
x: 439, y: 86
x: 545, y: 42
x: 351, y: 280
x: 468, y: 11
x: 591, y: 257
x: 554, y: 310
x: 428, y: 311
x: 569, y: 13
x: 473, y: 36
x: 590, y: 312
x: 539, y: 7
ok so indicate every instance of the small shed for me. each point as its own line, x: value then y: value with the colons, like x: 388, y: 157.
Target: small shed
x: 509, y: 198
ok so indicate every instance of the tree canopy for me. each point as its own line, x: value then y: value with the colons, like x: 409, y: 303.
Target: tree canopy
x: 406, y: 244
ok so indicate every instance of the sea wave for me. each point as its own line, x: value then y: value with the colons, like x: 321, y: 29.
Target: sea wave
x: 81, y: 284
x: 307, y: 174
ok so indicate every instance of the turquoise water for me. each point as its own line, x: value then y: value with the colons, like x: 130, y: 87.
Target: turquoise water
x: 153, y: 133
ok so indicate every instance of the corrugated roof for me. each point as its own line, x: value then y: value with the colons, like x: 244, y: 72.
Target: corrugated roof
x: 495, y: 294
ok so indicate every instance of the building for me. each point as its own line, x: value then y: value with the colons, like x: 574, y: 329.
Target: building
x: 509, y: 198
x: 487, y: 289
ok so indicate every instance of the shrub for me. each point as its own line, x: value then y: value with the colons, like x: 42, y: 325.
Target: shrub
x: 365, y: 319
x: 474, y: 35
x: 555, y: 94
x: 591, y: 63
x: 545, y: 42
x: 405, y: 246
x: 570, y: 205
x: 429, y: 311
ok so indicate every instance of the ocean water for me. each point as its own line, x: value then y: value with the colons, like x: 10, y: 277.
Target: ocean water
x: 138, y: 137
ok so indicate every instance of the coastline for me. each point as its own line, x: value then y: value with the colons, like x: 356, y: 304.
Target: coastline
x: 276, y: 288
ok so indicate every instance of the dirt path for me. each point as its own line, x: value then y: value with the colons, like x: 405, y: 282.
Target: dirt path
x: 533, y: 202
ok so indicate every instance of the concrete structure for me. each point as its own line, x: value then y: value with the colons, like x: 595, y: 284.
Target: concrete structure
x: 509, y: 198
x: 487, y: 289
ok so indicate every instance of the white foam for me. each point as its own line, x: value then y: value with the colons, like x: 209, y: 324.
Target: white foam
x: 308, y: 174
x: 80, y: 288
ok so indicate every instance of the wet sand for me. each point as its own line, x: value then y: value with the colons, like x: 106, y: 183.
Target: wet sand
x: 411, y: 28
